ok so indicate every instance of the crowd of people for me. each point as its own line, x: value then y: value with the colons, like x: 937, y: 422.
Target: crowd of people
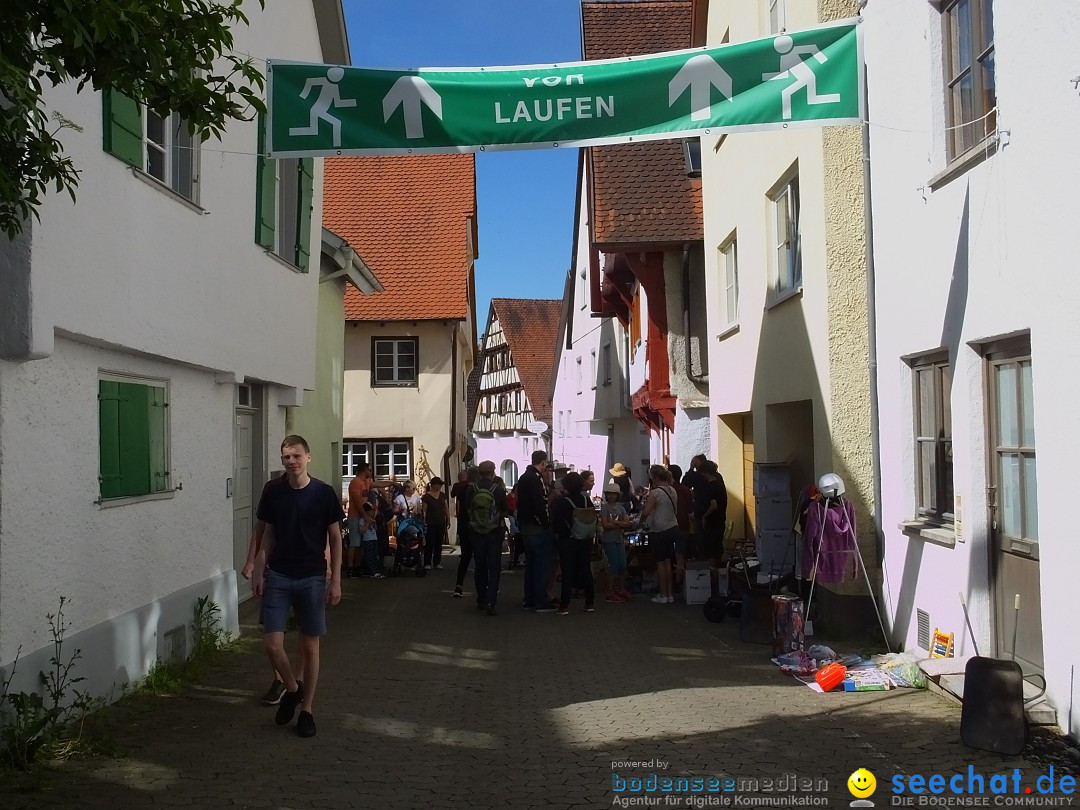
x: 295, y: 557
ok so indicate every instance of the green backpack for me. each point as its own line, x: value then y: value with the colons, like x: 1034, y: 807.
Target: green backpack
x: 484, y: 515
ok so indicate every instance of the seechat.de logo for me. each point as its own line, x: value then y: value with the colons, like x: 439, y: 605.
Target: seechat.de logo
x: 862, y: 785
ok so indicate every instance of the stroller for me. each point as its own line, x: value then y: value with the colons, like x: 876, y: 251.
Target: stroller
x: 411, y: 535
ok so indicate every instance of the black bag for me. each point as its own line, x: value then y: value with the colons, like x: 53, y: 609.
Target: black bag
x: 716, y: 608
x: 992, y: 717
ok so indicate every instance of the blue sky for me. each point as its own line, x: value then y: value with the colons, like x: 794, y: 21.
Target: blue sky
x: 525, y: 199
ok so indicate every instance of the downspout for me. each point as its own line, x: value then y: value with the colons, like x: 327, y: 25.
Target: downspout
x: 871, y: 324
x: 698, y: 378
x: 452, y: 446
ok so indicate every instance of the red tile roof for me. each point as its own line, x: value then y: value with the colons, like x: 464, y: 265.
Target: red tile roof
x: 640, y: 192
x: 408, y: 218
x: 531, y: 326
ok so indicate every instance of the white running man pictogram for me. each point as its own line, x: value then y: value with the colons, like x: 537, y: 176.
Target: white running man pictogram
x: 793, y: 64
x: 329, y: 96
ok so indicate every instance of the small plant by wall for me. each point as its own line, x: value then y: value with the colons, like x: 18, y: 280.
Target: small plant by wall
x: 49, y: 723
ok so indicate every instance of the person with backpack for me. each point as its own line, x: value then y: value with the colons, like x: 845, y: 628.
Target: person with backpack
x: 486, y: 508
x: 575, y: 522
x: 660, y: 515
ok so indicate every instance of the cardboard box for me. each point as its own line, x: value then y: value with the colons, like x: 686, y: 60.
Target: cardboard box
x: 649, y: 582
x: 697, y: 586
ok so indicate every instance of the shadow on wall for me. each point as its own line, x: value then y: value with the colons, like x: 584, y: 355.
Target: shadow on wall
x: 122, y: 649
x: 952, y: 328
x: 795, y: 431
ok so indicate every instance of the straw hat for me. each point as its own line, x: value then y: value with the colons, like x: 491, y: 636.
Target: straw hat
x: 618, y: 470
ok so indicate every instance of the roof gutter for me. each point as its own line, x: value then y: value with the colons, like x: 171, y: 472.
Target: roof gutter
x: 333, y: 35
x: 349, y: 264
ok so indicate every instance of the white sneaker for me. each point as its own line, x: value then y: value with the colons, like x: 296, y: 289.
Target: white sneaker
x: 659, y: 600
x: 671, y: 600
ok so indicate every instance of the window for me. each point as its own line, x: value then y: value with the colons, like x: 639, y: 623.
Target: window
x: 970, y: 89
x: 777, y: 16
x: 579, y: 372
x: 502, y: 404
x: 583, y: 288
x: 386, y: 456
x: 393, y: 361
x: 283, y: 200
x: 161, y: 146
x: 508, y: 472
x: 133, y: 440
x: 729, y: 269
x: 692, y: 156
x: 1015, y: 500
x: 592, y: 366
x: 788, y: 238
x: 932, y: 378
x: 606, y: 349
x: 353, y: 454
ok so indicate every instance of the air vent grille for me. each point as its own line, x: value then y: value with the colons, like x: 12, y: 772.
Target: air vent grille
x: 924, y: 629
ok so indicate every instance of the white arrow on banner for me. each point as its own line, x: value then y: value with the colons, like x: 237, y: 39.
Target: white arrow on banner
x: 700, y: 73
x: 409, y: 92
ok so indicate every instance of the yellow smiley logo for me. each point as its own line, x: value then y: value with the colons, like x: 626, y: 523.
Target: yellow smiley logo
x: 862, y: 784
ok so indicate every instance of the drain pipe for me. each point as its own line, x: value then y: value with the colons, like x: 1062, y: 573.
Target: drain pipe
x: 687, y: 355
x: 871, y: 324
x: 452, y: 446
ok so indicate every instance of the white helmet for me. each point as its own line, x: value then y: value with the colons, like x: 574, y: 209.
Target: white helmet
x: 831, y: 485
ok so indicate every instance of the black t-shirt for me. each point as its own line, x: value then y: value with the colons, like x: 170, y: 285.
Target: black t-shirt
x: 716, y: 491
x: 435, y: 509
x: 699, y: 483
x: 301, y: 518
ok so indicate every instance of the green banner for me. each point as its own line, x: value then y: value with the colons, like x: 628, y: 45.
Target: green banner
x: 808, y: 78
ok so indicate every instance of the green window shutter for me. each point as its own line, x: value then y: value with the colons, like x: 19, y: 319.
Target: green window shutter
x: 109, y: 439
x: 158, y: 438
x: 265, y: 192
x: 306, y: 168
x: 123, y: 127
x: 135, y: 438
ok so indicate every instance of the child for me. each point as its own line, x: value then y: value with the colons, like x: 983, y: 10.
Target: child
x: 369, y: 540
x: 613, y: 520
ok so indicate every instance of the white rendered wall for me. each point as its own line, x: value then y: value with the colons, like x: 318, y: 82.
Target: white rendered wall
x: 132, y: 266
x: 129, y: 279
x: 984, y: 255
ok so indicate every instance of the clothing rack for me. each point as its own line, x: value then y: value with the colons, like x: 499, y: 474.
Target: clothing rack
x: 852, y: 549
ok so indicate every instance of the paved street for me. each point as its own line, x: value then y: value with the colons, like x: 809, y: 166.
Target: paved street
x: 425, y: 702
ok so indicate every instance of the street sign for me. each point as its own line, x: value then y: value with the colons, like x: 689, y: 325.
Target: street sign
x: 804, y: 78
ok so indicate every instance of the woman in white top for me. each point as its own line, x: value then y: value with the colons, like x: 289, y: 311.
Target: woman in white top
x: 659, y: 516
x: 408, y: 503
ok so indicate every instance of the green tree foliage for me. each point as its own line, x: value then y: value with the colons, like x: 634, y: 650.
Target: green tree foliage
x: 171, y: 55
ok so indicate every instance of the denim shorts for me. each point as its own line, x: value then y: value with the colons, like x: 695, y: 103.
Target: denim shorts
x: 355, y: 533
x: 306, y: 596
x: 616, y: 557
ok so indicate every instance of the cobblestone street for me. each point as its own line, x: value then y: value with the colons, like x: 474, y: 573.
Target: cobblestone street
x: 426, y: 702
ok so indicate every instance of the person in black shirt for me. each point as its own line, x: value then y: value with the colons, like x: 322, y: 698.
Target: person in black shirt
x: 437, y: 521
x: 714, y: 518
x: 302, y: 517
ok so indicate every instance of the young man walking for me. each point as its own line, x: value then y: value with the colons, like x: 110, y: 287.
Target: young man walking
x: 534, y: 523
x: 300, y: 517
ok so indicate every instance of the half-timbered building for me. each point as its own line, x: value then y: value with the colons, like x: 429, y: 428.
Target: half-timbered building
x: 513, y: 409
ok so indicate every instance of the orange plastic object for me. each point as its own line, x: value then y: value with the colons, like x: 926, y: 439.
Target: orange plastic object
x: 830, y: 676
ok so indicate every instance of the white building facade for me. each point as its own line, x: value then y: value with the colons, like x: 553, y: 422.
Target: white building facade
x: 599, y: 366
x: 150, y: 347
x: 973, y: 166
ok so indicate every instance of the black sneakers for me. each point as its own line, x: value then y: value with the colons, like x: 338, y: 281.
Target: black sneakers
x: 274, y: 693
x: 289, y: 702
x: 305, y: 725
